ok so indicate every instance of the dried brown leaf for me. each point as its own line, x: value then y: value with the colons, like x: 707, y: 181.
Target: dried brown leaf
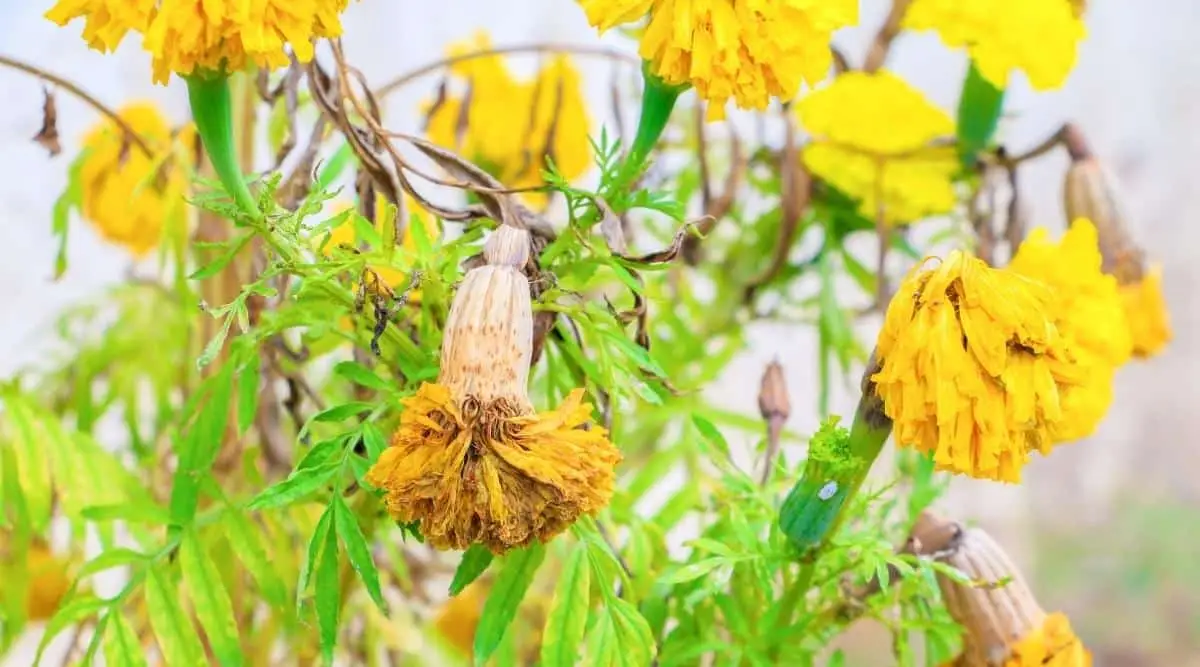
x: 47, y: 137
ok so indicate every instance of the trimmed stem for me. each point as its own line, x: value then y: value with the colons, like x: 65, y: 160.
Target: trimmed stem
x: 212, y: 110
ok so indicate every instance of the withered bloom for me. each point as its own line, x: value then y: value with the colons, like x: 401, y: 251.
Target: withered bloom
x: 1003, y: 622
x: 1088, y: 194
x: 472, y: 460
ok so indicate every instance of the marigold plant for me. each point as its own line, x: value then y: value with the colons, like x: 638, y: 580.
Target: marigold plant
x: 438, y: 391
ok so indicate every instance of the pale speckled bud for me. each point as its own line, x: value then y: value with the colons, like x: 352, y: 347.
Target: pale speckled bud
x: 1088, y: 193
x: 999, y: 609
x: 488, y: 342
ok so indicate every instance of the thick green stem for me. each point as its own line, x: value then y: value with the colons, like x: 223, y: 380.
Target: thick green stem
x: 212, y: 110
x: 658, y: 101
x: 838, y: 463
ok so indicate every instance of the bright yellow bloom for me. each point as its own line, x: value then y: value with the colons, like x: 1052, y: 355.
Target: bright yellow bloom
x: 513, y: 128
x: 472, y: 460
x: 129, y: 195
x: 186, y: 35
x: 872, y: 133
x: 459, y: 616
x: 1052, y: 645
x: 1038, y: 37
x: 747, y: 50
x: 49, y: 582
x: 1090, y: 318
x: 973, y: 366
x: 1146, y: 312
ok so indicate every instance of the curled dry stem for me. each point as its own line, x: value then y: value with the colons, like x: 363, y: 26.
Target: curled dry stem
x: 882, y: 44
x: 540, y: 47
x: 796, y: 186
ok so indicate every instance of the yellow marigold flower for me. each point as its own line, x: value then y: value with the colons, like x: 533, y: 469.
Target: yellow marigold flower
x: 1146, y: 312
x: 186, y: 35
x: 747, y: 50
x: 1038, y: 37
x: 1091, y: 319
x: 871, y: 134
x: 972, y: 367
x: 512, y: 127
x: 127, y: 195
x: 472, y: 460
x: 459, y: 616
x: 48, y: 582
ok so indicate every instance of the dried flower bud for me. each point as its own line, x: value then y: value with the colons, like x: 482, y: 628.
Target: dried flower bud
x: 773, y: 394
x: 1003, y: 622
x: 1088, y: 194
x: 471, y: 459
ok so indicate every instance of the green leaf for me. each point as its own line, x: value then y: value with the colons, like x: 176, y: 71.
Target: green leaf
x: 358, y: 551
x: 339, y: 412
x: 245, y: 540
x: 359, y: 374
x: 512, y: 581
x: 373, y: 440
x: 475, y: 561
x: 79, y: 608
x: 106, y: 560
x: 198, y: 449
x: 298, y: 485
x: 176, y: 635
x: 247, y: 402
x: 315, y: 543
x: 136, y: 512
x: 210, y: 600
x: 69, y: 199
x: 214, y: 267
x: 622, y: 637
x: 566, y: 621
x: 979, y: 108
x: 121, y: 645
x: 32, y: 465
x: 693, y: 571
x: 328, y: 597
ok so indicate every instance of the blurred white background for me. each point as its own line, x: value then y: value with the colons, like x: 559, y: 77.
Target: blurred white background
x: 1135, y: 93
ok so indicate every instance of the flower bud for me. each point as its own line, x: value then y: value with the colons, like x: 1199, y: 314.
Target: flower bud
x: 1003, y: 622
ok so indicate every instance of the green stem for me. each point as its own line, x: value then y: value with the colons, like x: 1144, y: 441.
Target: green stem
x: 212, y: 110
x: 837, y: 465
x: 658, y: 101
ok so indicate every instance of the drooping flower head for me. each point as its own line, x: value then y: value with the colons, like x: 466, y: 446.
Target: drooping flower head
x: 1038, y: 37
x: 1146, y: 312
x: 972, y: 367
x: 745, y: 50
x: 510, y: 127
x: 189, y: 35
x: 128, y: 194
x: 472, y: 460
x: 872, y: 135
x: 1091, y: 319
x: 1002, y: 621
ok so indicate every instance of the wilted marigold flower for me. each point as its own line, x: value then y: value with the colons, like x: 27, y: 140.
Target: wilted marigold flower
x: 972, y: 367
x: 472, y: 460
x: 872, y: 134
x: 1091, y: 319
x: 513, y: 128
x: 458, y: 617
x: 1003, y: 622
x: 1038, y: 37
x: 747, y: 50
x: 127, y: 195
x: 188, y: 35
x: 1146, y: 312
x: 49, y: 582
